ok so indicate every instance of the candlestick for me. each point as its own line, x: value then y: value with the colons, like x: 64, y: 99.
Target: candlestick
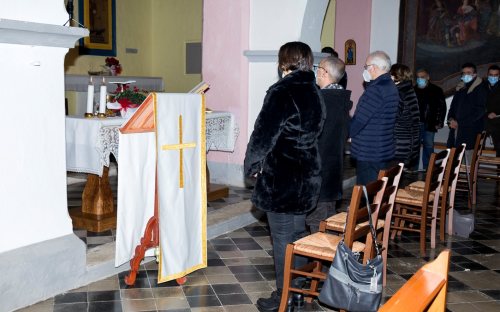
x: 102, y: 98
x: 90, y: 98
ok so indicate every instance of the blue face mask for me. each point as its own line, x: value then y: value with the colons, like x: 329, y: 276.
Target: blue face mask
x: 492, y: 80
x: 421, y: 83
x: 467, y: 78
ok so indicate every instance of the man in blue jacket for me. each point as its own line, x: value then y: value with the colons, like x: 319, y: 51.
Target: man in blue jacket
x: 372, y: 127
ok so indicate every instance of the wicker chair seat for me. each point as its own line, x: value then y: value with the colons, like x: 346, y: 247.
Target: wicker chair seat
x: 420, y: 185
x: 323, y: 244
x: 411, y: 197
x: 337, y: 222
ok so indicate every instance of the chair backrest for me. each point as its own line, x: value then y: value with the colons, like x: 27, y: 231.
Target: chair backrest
x: 453, y: 172
x: 478, y: 150
x: 425, y: 290
x: 434, y: 177
x: 393, y: 176
x: 358, y: 213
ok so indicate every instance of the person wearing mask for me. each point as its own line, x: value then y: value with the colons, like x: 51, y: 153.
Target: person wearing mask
x: 283, y: 156
x: 332, y: 52
x: 493, y: 106
x: 332, y: 140
x: 467, y: 110
x: 372, y: 126
x: 407, y: 127
x: 432, y: 106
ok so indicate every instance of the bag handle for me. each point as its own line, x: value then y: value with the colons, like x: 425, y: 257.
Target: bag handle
x: 372, y: 228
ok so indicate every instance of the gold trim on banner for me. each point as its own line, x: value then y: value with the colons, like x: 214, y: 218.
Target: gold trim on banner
x: 204, y: 181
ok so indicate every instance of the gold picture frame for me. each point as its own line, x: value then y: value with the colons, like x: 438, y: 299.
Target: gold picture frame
x: 350, y: 52
x: 100, y: 19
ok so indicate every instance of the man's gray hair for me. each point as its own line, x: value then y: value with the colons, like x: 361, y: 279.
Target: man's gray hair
x: 334, y: 67
x: 381, y: 59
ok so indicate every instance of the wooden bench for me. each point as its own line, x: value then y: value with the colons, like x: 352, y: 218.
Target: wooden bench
x: 425, y: 290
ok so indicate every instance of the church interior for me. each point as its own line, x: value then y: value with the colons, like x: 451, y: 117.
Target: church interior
x: 53, y: 259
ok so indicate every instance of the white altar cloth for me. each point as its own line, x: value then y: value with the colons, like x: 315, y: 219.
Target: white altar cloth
x: 89, y: 142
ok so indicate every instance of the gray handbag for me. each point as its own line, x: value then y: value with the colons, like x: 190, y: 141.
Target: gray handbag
x: 350, y: 285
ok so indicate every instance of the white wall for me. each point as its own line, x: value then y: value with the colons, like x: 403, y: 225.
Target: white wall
x: 33, y: 206
x: 46, y: 11
x: 281, y: 21
x: 385, y: 27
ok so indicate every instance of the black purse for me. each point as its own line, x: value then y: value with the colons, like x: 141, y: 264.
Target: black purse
x: 351, y: 285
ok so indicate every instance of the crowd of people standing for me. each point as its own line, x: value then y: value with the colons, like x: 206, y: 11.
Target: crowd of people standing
x: 295, y: 153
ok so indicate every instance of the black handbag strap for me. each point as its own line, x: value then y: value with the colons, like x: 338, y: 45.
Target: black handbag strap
x: 372, y: 229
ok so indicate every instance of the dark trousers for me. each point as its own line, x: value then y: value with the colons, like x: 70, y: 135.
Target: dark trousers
x: 367, y: 171
x: 285, y: 229
x: 427, y: 139
x: 495, y: 137
x: 323, y: 210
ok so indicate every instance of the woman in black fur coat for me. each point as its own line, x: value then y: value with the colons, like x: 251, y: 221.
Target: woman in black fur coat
x: 282, y: 155
x: 407, y: 127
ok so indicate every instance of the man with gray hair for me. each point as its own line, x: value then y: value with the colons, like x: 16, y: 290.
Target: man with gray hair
x: 332, y: 140
x: 372, y: 127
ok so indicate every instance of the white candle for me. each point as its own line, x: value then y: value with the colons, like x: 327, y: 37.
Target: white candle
x: 102, y: 98
x: 90, y: 97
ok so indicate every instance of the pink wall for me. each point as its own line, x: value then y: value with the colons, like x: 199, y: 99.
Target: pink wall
x: 225, y: 36
x: 353, y: 21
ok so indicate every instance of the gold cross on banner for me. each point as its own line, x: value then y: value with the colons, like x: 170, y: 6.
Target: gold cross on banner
x: 181, y: 146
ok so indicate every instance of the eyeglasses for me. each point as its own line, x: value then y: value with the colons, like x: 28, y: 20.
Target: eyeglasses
x: 323, y: 69
x: 368, y: 65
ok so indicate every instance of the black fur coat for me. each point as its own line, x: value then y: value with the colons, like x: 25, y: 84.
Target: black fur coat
x: 283, y: 148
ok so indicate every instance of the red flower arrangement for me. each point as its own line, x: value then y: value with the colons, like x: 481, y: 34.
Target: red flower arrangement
x: 129, y: 98
x: 113, y: 64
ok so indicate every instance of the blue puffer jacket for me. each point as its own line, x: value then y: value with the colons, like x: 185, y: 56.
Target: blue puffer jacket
x: 372, y: 127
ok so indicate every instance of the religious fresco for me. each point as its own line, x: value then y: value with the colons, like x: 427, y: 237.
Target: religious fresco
x: 453, y: 32
x: 444, y: 34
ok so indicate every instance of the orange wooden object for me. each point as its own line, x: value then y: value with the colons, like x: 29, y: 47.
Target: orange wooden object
x: 425, y: 290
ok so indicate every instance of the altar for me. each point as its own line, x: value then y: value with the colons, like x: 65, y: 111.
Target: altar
x: 89, y: 144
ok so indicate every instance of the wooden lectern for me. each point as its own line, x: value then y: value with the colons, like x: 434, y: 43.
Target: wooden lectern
x: 179, y: 186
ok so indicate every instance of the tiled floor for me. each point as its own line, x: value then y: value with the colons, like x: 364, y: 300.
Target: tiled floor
x: 240, y: 270
x: 92, y: 239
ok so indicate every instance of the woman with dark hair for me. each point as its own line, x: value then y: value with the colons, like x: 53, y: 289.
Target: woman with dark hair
x: 407, y: 127
x: 283, y: 156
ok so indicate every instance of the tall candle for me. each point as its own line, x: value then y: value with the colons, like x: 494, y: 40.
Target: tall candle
x: 90, y: 97
x: 102, y: 98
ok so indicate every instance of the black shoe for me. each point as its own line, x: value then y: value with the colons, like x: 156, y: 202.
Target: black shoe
x: 272, y: 303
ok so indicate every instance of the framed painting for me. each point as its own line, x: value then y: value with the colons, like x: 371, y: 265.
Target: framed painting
x: 100, y: 19
x: 441, y: 35
x: 350, y: 52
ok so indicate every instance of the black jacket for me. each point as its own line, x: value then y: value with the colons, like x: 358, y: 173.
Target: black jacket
x: 332, y: 141
x: 493, y: 106
x: 468, y: 109
x: 432, y: 105
x: 407, y: 127
x: 283, y: 148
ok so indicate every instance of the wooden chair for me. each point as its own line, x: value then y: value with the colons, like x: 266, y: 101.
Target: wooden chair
x: 448, y: 190
x: 319, y: 246
x: 336, y: 222
x: 425, y: 290
x: 488, y: 167
x: 412, y: 207
x: 467, y: 181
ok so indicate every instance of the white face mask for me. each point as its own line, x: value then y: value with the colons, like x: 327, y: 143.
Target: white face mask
x: 366, y: 76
